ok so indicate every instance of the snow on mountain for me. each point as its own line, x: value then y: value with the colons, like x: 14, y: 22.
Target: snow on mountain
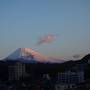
x: 56, y: 60
x: 27, y: 54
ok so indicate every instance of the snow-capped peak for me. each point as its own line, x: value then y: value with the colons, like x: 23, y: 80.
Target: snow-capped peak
x: 36, y: 55
x: 26, y: 53
x: 31, y: 55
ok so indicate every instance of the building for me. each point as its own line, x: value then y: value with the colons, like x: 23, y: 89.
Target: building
x: 16, y: 70
x: 70, y: 77
x: 65, y: 86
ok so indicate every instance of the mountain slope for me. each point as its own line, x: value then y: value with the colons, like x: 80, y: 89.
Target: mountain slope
x: 31, y: 55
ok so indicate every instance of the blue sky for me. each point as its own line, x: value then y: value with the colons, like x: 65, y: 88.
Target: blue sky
x: 22, y: 22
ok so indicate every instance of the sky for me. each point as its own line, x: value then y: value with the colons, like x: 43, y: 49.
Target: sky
x: 22, y: 22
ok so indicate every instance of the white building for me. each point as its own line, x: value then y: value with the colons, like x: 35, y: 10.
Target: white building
x: 71, y: 77
x: 64, y: 86
x: 16, y: 70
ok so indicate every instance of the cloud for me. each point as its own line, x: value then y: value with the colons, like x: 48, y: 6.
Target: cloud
x: 76, y: 56
x: 46, y: 39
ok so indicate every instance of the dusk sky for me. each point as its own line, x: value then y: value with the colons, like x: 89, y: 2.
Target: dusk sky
x: 22, y: 22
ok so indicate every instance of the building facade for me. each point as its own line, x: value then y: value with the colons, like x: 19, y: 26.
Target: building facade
x: 71, y: 77
x: 16, y: 70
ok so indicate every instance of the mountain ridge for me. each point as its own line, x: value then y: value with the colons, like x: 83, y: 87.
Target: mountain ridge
x: 31, y: 55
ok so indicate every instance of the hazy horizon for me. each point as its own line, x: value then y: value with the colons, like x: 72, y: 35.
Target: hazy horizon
x: 23, y: 22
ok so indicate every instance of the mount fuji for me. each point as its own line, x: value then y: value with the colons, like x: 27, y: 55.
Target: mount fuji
x: 29, y: 55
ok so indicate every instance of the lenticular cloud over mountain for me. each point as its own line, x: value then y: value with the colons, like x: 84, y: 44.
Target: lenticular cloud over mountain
x: 30, y: 55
